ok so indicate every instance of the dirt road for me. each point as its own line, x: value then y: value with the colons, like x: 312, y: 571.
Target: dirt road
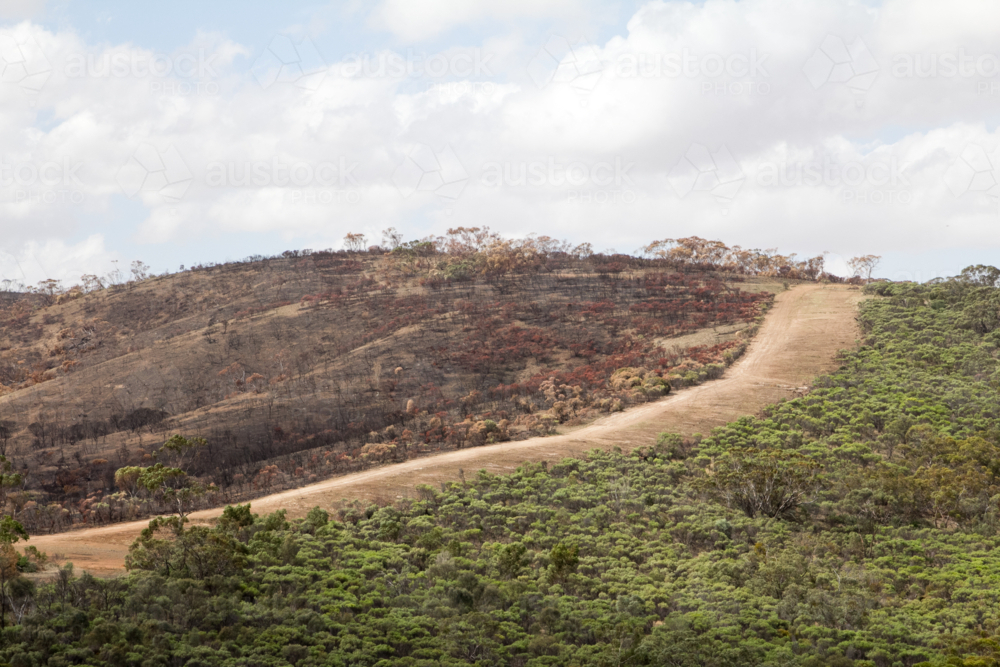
x: 798, y: 341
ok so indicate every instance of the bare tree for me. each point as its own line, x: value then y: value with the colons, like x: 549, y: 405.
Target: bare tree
x: 864, y: 265
x: 115, y: 276
x: 354, y: 242
x: 391, y: 238
x: 91, y: 282
x: 140, y: 271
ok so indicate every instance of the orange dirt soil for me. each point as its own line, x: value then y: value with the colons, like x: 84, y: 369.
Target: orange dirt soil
x: 799, y: 339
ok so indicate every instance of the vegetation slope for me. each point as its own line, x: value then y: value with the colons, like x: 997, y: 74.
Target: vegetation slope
x: 857, y: 525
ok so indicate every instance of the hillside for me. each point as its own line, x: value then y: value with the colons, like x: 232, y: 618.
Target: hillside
x: 278, y: 371
x: 855, y: 525
x: 798, y: 340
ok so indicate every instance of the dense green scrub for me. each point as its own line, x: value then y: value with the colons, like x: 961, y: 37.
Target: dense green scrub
x: 856, y: 525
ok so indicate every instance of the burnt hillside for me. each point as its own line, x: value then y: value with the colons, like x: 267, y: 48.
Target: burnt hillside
x: 314, y: 363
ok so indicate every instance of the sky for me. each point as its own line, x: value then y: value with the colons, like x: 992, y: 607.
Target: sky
x: 182, y: 133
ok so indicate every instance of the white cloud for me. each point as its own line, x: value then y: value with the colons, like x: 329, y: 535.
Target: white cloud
x: 35, y: 261
x: 317, y: 161
x: 418, y: 20
x: 21, y: 9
